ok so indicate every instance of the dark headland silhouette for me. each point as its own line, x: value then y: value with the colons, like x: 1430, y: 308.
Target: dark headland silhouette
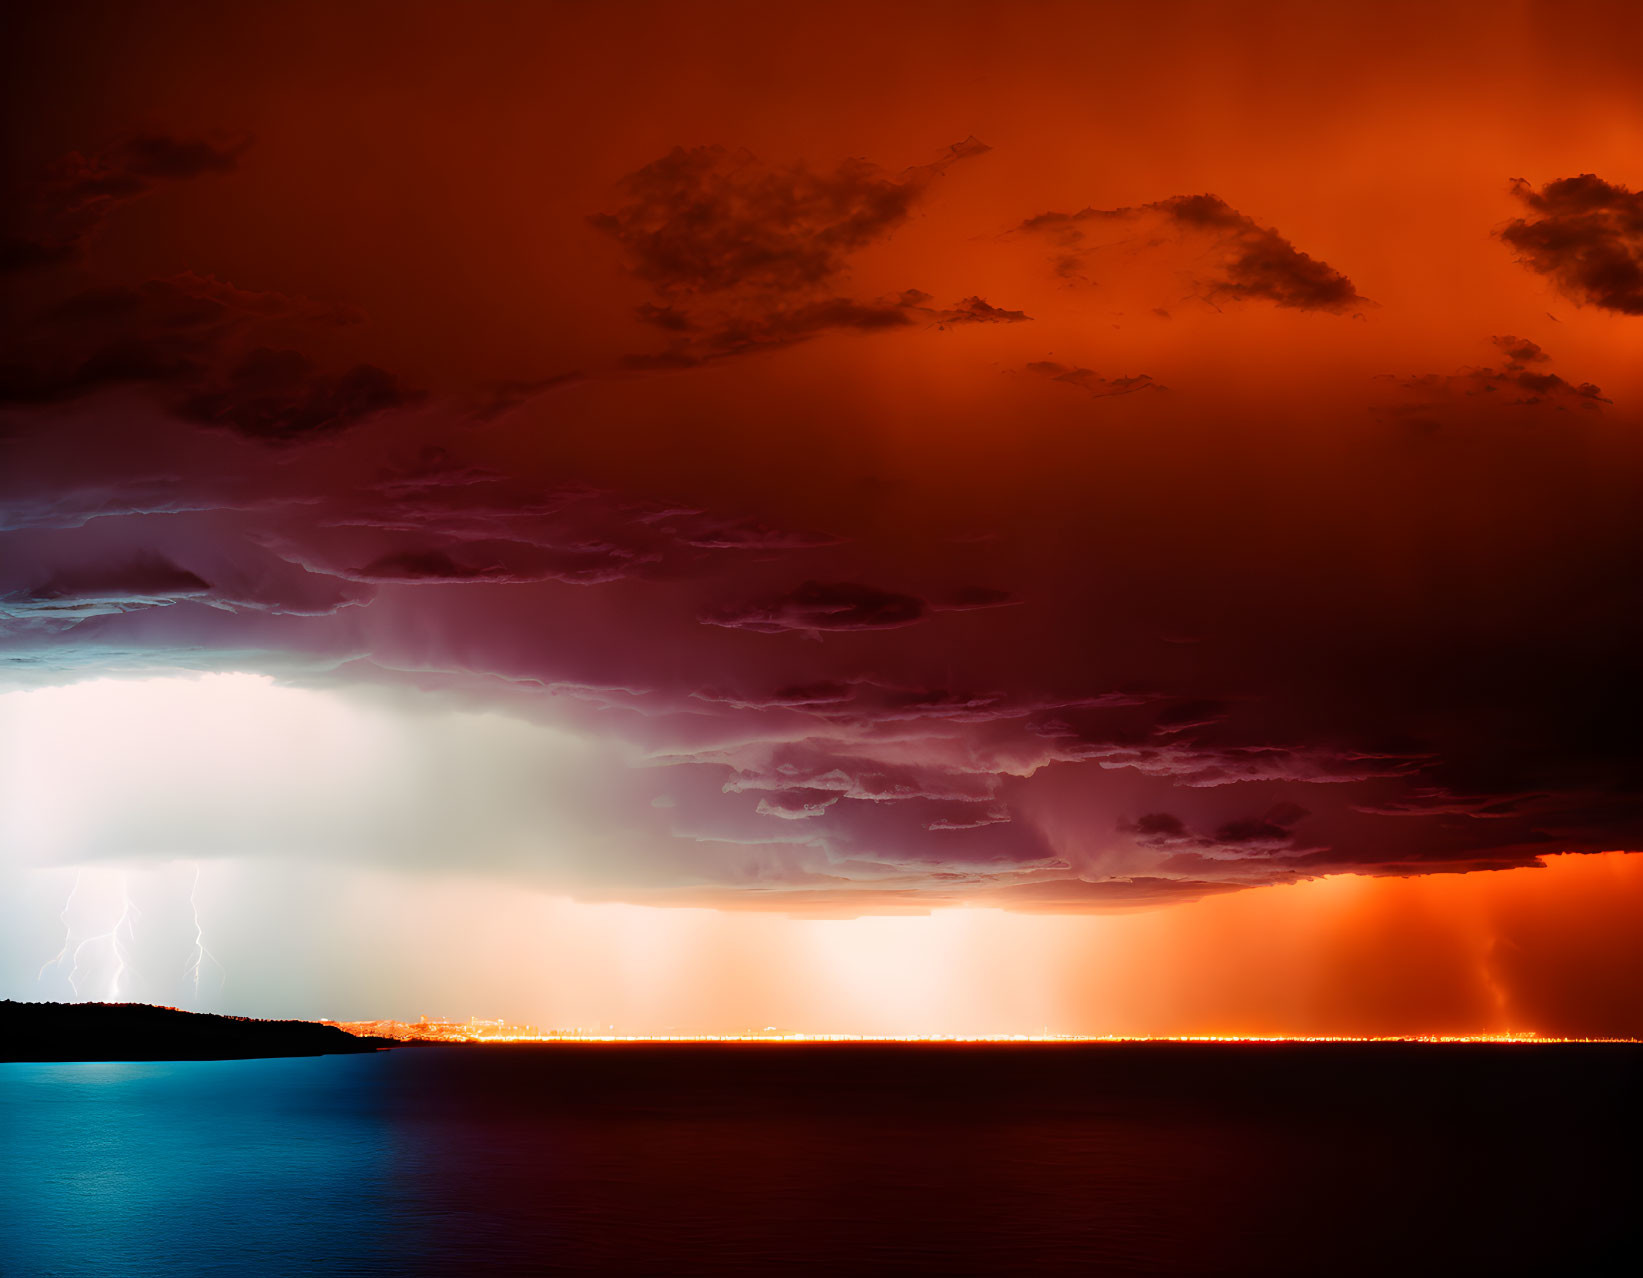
x: 138, y: 1032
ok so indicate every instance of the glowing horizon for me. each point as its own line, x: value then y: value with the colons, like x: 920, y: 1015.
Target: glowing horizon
x: 320, y: 908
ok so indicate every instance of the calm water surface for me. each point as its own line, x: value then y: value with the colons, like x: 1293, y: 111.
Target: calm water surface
x: 827, y: 1159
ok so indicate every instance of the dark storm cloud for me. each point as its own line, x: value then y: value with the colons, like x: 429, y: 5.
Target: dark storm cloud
x: 1255, y: 261
x: 746, y: 256
x: 50, y: 221
x: 870, y: 777
x: 1426, y: 644
x: 1586, y: 236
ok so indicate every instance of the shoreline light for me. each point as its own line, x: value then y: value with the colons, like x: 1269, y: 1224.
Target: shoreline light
x: 477, y: 1032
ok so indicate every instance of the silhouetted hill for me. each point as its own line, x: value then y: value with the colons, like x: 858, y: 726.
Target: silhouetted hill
x: 138, y: 1032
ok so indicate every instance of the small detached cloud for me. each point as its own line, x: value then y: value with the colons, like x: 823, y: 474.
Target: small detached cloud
x: 745, y: 256
x: 709, y: 221
x: 1089, y: 381
x: 1518, y: 380
x: 977, y: 310
x: 1586, y: 236
x: 1253, y: 262
x: 970, y: 310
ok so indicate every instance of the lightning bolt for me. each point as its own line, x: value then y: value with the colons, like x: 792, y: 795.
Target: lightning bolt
x: 129, y: 914
x: 127, y: 923
x: 202, y: 956
x: 74, y: 968
x: 68, y: 931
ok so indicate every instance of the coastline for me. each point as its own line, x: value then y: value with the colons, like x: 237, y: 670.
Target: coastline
x: 87, y: 1032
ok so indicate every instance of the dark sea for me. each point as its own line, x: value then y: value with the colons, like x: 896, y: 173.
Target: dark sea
x: 831, y: 1159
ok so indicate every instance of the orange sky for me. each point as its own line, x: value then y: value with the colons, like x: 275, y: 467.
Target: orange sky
x: 1041, y: 457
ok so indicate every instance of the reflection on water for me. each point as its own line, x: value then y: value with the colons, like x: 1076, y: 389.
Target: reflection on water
x: 1113, y: 1158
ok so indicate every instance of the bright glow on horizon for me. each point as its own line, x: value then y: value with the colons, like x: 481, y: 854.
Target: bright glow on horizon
x: 1332, y: 958
x: 228, y: 844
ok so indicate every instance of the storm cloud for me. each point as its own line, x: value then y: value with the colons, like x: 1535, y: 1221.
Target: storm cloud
x: 941, y: 598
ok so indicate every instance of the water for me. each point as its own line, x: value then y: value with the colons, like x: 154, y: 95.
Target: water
x: 827, y: 1159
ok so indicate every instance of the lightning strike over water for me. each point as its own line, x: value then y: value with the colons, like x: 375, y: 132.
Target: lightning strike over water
x: 119, y: 945
x: 201, y: 954
x: 127, y: 923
